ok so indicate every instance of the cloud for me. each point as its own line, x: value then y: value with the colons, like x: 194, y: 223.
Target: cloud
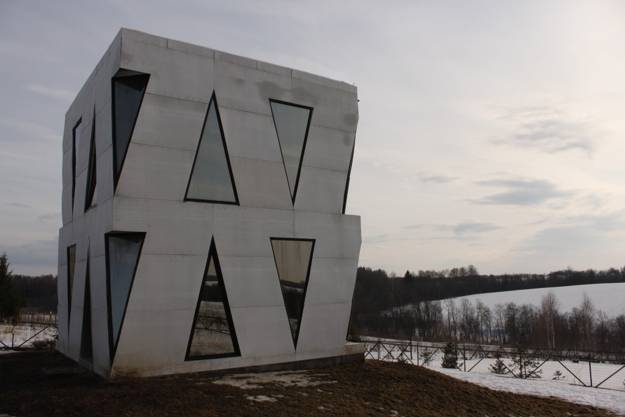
x: 49, y: 217
x: 549, y: 130
x: 30, y: 129
x: 18, y: 205
x: 464, y: 230
x: 471, y: 228
x: 430, y: 178
x: 521, y: 192
x: 55, y: 93
x: 33, y: 255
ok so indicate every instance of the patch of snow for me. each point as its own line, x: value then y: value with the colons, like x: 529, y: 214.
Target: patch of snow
x: 261, y: 398
x: 602, y: 398
x: 286, y: 379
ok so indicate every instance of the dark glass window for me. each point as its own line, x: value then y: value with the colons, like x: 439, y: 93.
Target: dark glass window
x: 86, y: 343
x: 71, y: 267
x: 292, y: 122
x: 211, y: 176
x: 92, y: 172
x: 293, y: 259
x: 212, y: 333
x: 75, y: 143
x: 122, y: 254
x: 128, y: 91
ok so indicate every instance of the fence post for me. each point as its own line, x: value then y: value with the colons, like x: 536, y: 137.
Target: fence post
x: 590, y: 369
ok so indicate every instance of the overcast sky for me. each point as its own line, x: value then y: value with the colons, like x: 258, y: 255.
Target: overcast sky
x: 491, y: 133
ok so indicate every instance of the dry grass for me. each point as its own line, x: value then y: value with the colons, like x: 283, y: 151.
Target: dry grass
x: 366, y: 389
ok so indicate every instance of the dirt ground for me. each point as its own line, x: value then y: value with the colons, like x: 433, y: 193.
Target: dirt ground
x: 47, y: 384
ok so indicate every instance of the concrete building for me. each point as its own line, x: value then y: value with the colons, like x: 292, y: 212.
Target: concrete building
x: 204, y: 223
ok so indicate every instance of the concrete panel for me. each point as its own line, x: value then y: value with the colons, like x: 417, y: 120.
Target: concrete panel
x: 332, y: 108
x: 262, y: 331
x: 248, y: 89
x: 140, y: 215
x: 324, y: 81
x: 167, y: 283
x: 190, y: 48
x: 331, y: 281
x: 155, y: 172
x: 261, y: 183
x: 99, y: 312
x: 251, y: 281
x: 323, y: 327
x: 250, y: 135
x: 321, y: 190
x: 172, y: 73
x: 338, y: 236
x: 328, y: 148
x: 152, y: 339
x: 169, y: 122
x: 246, y: 232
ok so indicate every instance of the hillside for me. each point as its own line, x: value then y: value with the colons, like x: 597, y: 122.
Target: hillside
x: 367, y: 389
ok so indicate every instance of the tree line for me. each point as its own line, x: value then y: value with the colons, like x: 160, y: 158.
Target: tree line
x: 584, y: 328
x: 376, y: 290
x: 20, y: 292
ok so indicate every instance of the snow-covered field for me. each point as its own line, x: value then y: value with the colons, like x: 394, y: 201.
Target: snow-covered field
x: 16, y: 335
x: 606, y: 297
x: 611, y: 395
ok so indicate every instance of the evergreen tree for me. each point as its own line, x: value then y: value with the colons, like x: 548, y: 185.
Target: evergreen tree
x: 450, y: 356
x: 499, y: 367
x: 9, y: 300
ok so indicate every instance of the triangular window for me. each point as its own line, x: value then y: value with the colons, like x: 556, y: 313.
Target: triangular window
x: 92, y: 172
x: 75, y: 142
x: 211, y: 175
x: 86, y: 343
x: 293, y: 259
x: 128, y: 91
x: 212, y: 333
x: 292, y: 122
x: 122, y: 256
x: 71, y: 267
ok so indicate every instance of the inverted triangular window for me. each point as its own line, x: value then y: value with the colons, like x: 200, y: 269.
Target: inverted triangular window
x: 212, y: 333
x: 292, y: 122
x: 293, y: 259
x: 211, y: 175
x: 71, y: 267
x: 92, y: 172
x: 128, y: 91
x: 86, y: 344
x: 75, y: 143
x: 122, y: 254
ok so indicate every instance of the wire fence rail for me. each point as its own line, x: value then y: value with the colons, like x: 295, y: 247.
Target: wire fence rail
x: 19, y: 332
x: 471, y: 355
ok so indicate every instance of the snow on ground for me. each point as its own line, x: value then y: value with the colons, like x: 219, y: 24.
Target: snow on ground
x: 285, y: 378
x: 606, y: 297
x: 16, y: 335
x: 603, y: 398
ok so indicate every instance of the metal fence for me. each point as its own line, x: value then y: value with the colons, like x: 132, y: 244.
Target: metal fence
x: 27, y: 326
x: 471, y: 355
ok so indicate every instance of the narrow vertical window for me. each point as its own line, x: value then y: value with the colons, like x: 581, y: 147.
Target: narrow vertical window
x: 128, y: 89
x: 71, y: 267
x: 86, y: 342
x: 292, y: 122
x: 293, y: 259
x: 122, y: 257
x: 211, y: 175
x: 75, y: 143
x: 92, y: 172
x: 212, y: 332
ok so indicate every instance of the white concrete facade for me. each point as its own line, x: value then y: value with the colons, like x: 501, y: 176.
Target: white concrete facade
x: 149, y: 198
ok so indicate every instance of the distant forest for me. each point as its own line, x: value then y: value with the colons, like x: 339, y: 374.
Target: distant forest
x: 420, y: 306
x: 377, y: 291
